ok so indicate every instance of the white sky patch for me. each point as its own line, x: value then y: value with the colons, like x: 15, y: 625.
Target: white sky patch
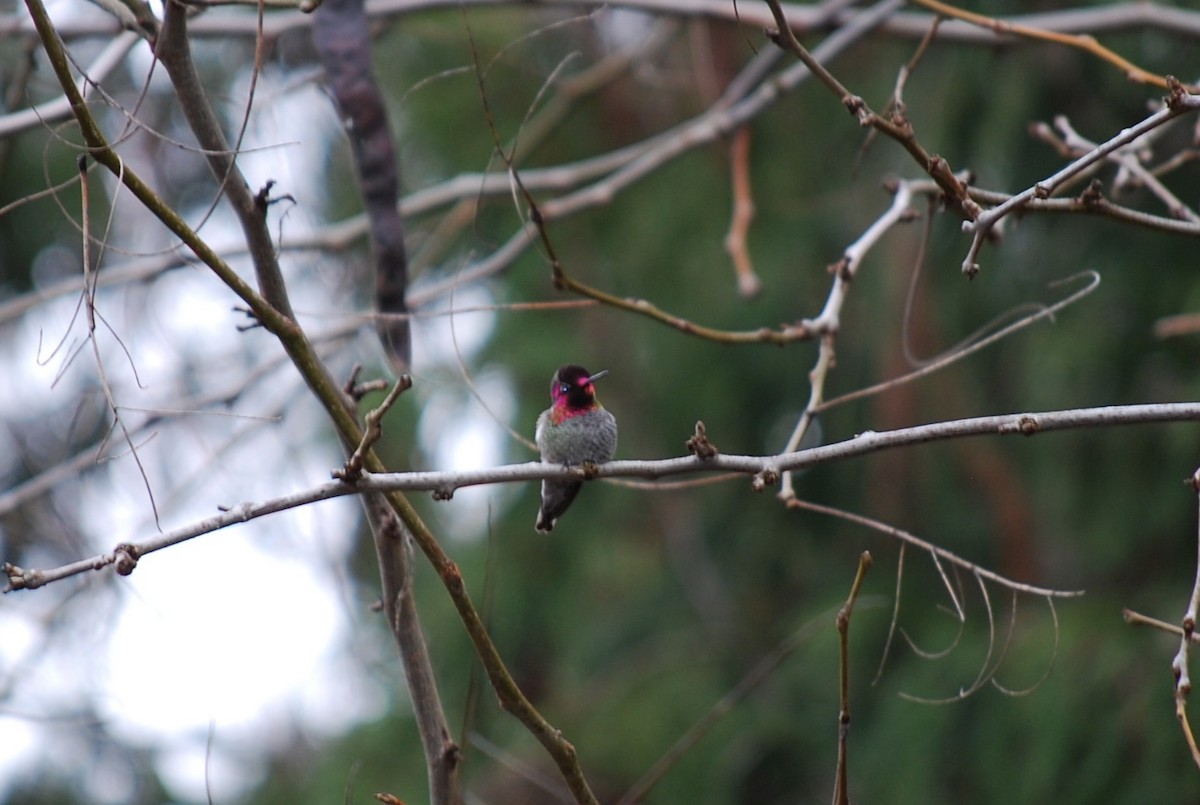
x: 23, y: 743
x: 61, y: 11
x: 470, y: 326
x: 289, y: 130
x: 459, y: 434
x: 230, y: 629
x: 221, y: 773
x: 238, y: 627
x: 32, y: 362
x: 19, y: 736
x: 621, y: 27
x: 20, y: 637
x: 232, y: 658
x: 192, y: 311
x: 246, y: 628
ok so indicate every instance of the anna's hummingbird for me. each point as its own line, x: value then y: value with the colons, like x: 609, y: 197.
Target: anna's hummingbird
x: 574, y: 429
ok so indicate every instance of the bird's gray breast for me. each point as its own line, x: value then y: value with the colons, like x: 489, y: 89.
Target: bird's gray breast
x: 591, y: 436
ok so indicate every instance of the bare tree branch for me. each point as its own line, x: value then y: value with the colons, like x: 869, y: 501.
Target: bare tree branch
x: 173, y: 49
x: 912, y: 25
x: 764, y: 469
x: 343, y: 41
x: 1178, y: 103
x: 574, y: 187
x: 1180, y: 665
x: 841, y: 794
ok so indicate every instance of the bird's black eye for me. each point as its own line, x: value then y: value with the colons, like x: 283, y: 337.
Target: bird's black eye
x: 563, y: 388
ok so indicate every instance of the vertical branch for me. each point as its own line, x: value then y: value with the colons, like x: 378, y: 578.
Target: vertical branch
x: 89, y: 305
x: 1179, y: 666
x: 343, y: 41
x: 505, y: 687
x: 840, y: 797
x: 393, y: 549
x: 743, y: 214
x: 393, y: 545
x: 828, y: 322
x: 390, y: 537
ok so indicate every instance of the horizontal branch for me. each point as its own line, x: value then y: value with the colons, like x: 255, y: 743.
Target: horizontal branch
x: 764, y: 469
x: 1097, y: 19
x: 767, y: 468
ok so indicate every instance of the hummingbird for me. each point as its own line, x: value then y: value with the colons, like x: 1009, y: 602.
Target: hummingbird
x: 574, y: 429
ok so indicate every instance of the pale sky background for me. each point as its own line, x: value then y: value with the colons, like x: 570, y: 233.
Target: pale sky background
x: 249, y: 630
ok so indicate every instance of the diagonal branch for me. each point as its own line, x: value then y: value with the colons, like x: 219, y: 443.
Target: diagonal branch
x: 897, y: 126
x: 173, y: 49
x: 330, y: 395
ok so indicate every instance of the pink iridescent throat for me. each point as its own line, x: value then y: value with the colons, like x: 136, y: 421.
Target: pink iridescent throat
x: 563, y: 410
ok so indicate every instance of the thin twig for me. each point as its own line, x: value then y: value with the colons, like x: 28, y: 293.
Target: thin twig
x: 1178, y: 103
x: 1049, y: 665
x: 748, y: 283
x: 887, y: 643
x: 899, y: 129
x: 840, y: 790
x: 828, y: 321
x: 1180, y: 664
x: 957, y: 354
x: 1084, y: 42
x: 373, y: 431
x: 1128, y: 159
x: 985, y: 673
x: 1135, y: 618
x: 125, y: 556
x: 933, y: 550
x: 89, y: 303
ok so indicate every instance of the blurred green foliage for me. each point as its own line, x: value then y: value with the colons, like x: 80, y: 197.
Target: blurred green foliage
x: 645, y: 608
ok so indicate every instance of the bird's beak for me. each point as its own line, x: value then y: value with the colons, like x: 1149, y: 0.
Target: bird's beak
x: 597, y: 376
